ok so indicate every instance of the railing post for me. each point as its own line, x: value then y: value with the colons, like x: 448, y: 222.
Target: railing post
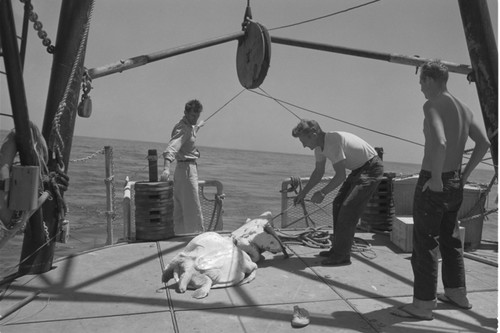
x: 110, y: 209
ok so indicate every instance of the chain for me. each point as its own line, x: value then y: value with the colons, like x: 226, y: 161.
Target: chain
x: 86, y: 84
x: 37, y: 25
x: 91, y: 156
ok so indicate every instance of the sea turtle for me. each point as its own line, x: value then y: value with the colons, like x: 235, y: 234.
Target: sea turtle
x: 211, y: 260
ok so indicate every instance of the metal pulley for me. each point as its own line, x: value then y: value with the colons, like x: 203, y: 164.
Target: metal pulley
x: 253, y: 55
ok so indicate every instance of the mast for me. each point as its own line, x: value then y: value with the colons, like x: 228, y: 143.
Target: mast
x: 17, y: 92
x: 38, y: 252
x: 483, y: 53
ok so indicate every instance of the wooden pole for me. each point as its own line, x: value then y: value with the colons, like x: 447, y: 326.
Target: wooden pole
x: 127, y: 210
x: 34, y: 231
x: 17, y: 92
x: 390, y: 57
x: 483, y: 53
x: 153, y: 165
x: 108, y: 153
x: 141, y: 60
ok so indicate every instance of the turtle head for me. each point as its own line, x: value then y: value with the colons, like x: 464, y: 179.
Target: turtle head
x: 257, y: 235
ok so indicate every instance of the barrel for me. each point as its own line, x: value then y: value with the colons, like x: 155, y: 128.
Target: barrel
x: 154, y: 210
x: 379, y: 211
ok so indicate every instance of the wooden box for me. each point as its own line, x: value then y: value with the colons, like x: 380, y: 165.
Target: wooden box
x: 404, y: 189
x: 402, y: 233
x: 24, y: 184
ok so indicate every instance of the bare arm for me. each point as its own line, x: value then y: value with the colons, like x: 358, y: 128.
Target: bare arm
x: 482, y: 144
x: 314, y: 179
x: 340, y: 176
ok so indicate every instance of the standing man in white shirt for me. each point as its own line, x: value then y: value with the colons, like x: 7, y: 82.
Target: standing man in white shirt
x: 188, y: 217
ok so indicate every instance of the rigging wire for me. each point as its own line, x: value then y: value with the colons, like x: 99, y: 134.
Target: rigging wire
x: 277, y: 101
x: 340, y: 120
x: 324, y: 16
x: 213, y: 114
x: 281, y: 103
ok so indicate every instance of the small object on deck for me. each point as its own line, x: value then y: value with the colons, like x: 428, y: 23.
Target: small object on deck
x: 300, y: 317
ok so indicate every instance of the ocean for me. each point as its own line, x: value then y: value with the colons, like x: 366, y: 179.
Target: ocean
x: 251, y: 183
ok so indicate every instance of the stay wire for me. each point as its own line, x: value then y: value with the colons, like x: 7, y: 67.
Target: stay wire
x: 339, y: 120
x: 280, y: 102
x: 234, y: 97
x: 277, y: 101
x: 324, y: 16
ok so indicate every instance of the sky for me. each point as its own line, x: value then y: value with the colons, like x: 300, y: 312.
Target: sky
x: 144, y: 103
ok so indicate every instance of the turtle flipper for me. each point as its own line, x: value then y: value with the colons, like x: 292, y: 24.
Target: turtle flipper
x: 248, y: 278
x: 203, y: 282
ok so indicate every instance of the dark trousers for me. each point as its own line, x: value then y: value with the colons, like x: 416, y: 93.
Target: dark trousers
x: 350, y: 203
x: 435, y: 227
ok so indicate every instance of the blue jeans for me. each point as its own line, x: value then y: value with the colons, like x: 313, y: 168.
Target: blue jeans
x: 350, y: 203
x: 435, y: 227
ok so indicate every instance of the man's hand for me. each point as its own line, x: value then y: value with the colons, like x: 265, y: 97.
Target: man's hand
x: 165, y: 175
x: 299, y: 198
x: 433, y: 184
x: 318, y: 197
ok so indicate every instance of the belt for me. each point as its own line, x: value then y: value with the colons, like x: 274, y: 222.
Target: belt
x: 367, y: 163
x: 448, y: 174
x: 186, y: 161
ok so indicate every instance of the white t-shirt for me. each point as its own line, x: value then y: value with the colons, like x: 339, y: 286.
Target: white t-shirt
x: 345, y: 146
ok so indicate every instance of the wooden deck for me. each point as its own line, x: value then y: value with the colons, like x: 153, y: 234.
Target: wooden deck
x: 119, y: 289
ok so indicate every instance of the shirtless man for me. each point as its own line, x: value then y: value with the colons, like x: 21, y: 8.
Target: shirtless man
x: 448, y: 123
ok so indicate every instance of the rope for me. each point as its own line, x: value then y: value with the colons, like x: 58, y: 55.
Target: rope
x: 311, y: 237
x: 59, y: 143
x: 315, y: 238
x: 295, y: 183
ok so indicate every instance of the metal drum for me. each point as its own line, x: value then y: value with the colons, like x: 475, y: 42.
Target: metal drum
x: 154, y: 210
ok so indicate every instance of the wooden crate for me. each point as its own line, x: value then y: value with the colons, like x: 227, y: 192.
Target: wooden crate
x: 402, y: 233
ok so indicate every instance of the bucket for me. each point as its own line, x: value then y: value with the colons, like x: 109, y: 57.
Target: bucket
x: 379, y: 211
x: 154, y: 210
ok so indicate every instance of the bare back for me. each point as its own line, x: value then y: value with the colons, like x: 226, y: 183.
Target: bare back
x: 452, y: 120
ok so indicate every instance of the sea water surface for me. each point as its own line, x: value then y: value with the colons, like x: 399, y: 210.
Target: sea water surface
x: 251, y: 181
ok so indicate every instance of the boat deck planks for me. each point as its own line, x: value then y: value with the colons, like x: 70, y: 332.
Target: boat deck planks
x: 118, y: 289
